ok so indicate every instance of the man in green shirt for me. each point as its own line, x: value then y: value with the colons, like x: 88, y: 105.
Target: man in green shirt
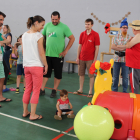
x: 2, y: 76
x: 55, y: 33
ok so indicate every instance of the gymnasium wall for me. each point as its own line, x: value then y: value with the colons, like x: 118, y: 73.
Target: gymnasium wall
x: 73, y: 13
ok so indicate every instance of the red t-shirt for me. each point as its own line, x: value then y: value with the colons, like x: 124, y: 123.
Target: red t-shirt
x: 132, y: 56
x: 88, y: 43
x: 63, y: 104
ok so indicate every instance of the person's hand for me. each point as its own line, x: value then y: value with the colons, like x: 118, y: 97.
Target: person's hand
x: 15, y: 47
x: 94, y: 61
x: 71, y: 106
x: 1, y: 44
x: 77, y: 61
x: 62, y: 54
x: 45, y: 70
x: 17, y: 43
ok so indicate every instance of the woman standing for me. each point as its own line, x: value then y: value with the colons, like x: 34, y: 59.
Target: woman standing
x: 8, y: 49
x: 3, y: 40
x: 33, y: 62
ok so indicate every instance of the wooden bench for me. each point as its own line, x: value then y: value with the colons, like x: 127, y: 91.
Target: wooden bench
x: 73, y: 63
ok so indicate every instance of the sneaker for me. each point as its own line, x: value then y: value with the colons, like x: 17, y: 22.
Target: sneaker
x: 53, y: 94
x: 71, y: 116
x: 42, y: 92
x: 24, y: 89
x: 5, y: 90
x: 57, y: 117
x: 17, y: 90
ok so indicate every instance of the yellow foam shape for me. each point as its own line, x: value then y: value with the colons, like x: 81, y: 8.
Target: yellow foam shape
x: 103, y: 91
x: 102, y: 82
x: 132, y: 95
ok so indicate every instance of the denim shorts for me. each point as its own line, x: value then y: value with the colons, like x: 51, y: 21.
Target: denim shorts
x: 20, y: 69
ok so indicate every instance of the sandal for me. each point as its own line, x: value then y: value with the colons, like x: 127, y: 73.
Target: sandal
x: 71, y: 116
x: 90, y: 95
x: 12, y: 89
x: 6, y: 100
x: 57, y: 117
x: 39, y: 118
x: 77, y: 92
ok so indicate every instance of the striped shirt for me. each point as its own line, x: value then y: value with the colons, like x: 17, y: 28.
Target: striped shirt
x: 120, y: 40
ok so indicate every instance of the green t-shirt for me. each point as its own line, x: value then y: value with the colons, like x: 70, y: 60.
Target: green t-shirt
x: 55, y: 38
x: 1, y: 39
x: 1, y: 49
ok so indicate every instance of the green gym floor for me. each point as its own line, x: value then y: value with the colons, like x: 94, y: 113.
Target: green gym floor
x: 14, y: 127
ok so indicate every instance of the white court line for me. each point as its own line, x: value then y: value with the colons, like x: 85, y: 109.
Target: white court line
x: 49, y: 128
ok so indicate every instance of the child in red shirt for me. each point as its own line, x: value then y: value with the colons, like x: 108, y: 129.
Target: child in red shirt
x: 63, y: 106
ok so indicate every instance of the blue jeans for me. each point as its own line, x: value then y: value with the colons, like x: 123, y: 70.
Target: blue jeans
x: 116, y: 72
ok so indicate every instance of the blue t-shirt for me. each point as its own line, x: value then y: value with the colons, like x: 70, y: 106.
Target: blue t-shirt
x: 20, y: 55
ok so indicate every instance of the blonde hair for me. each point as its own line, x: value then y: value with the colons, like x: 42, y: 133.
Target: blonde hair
x: 8, y: 29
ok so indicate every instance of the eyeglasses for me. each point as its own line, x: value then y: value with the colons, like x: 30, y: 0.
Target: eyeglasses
x: 125, y: 27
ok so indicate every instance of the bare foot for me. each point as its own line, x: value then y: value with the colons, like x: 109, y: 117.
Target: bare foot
x: 90, y: 95
x: 35, y: 117
x: 26, y: 114
x: 78, y: 92
x: 5, y: 99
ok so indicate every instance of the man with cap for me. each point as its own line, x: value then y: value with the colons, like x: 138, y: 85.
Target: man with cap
x: 133, y: 57
x: 119, y: 45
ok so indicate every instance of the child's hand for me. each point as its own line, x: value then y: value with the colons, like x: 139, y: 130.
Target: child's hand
x: 71, y: 107
x: 17, y: 43
x: 15, y: 47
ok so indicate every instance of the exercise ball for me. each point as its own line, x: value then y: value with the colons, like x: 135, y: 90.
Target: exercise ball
x: 93, y: 123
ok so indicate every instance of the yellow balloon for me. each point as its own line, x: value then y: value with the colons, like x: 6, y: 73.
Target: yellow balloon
x: 97, y: 64
x: 93, y: 123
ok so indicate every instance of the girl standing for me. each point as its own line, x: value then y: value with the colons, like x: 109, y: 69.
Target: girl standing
x: 33, y: 62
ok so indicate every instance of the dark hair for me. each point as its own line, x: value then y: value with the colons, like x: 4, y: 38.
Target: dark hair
x: 19, y: 37
x: 55, y: 13
x: 89, y: 20
x: 63, y: 92
x: 1, y: 13
x: 32, y: 20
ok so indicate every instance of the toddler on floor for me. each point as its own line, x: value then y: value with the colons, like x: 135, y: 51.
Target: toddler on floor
x: 63, y: 106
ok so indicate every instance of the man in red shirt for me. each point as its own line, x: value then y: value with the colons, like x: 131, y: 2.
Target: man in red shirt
x: 133, y: 57
x: 87, y: 54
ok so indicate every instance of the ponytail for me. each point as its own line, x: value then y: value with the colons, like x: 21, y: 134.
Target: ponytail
x: 32, y: 20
